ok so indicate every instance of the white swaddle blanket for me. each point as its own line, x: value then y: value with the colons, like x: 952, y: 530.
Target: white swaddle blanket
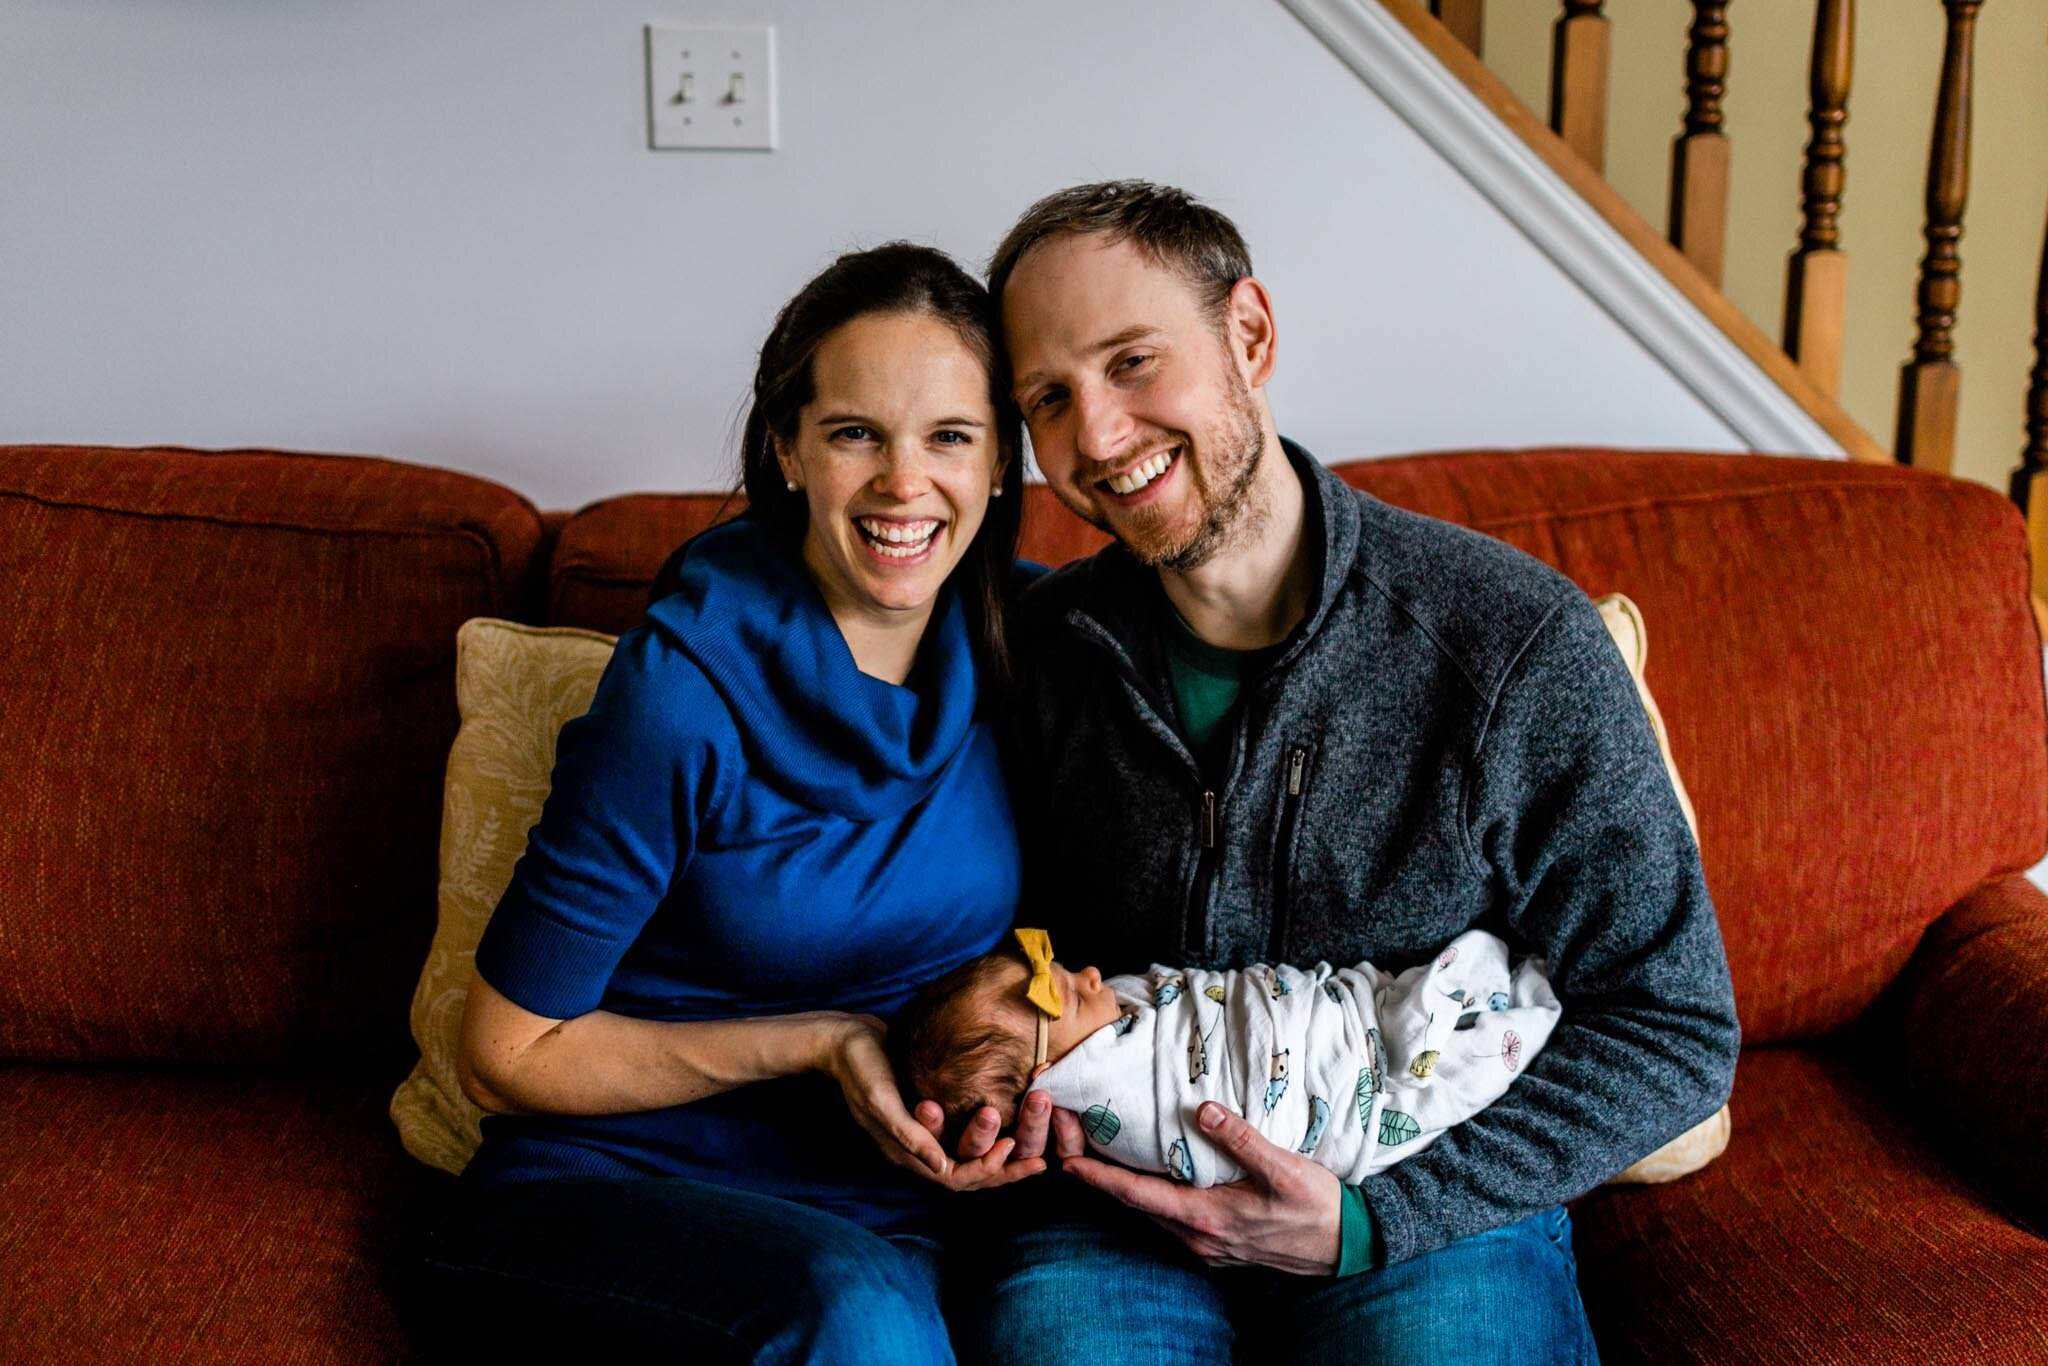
x: 1355, y: 1067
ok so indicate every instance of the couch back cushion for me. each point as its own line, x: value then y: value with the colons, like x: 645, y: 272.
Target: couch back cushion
x: 1849, y: 668
x: 1844, y: 655
x: 228, y: 702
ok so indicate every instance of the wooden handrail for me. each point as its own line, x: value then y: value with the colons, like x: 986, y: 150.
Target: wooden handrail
x: 1699, y: 157
x: 1930, y: 385
x: 2030, y: 480
x: 1586, y: 181
x: 1578, y: 80
x: 1817, y: 276
x: 1466, y: 19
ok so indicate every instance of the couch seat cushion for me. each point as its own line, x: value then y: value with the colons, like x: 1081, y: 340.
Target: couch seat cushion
x: 1830, y: 1230
x: 150, y: 1216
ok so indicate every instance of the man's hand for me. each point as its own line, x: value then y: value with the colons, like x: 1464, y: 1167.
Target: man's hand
x: 1023, y: 1153
x: 1284, y: 1214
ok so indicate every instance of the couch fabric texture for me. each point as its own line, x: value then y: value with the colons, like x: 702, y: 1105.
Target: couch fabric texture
x: 230, y: 701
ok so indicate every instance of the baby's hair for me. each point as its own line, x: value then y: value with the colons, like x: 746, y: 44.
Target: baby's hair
x: 965, y: 1040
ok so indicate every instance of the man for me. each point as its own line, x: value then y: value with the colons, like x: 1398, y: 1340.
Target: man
x: 1279, y: 720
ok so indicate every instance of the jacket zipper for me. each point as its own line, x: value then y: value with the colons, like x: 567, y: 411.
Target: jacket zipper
x: 1196, y: 912
x: 1283, y: 853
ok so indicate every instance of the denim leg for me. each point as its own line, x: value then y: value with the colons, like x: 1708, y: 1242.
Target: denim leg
x: 1506, y: 1297
x: 1063, y: 1279
x: 669, y: 1268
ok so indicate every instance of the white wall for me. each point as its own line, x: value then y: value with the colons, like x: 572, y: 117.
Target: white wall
x: 431, y: 228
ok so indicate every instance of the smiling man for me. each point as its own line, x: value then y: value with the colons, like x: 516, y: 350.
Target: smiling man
x: 1278, y: 720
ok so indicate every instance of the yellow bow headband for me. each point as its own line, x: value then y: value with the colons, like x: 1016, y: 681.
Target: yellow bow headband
x: 1042, y: 991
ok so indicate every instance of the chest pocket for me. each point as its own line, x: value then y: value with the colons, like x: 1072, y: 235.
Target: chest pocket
x: 1297, y: 772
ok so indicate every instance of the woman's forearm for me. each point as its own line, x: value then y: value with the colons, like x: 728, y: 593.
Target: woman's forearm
x: 515, y: 1062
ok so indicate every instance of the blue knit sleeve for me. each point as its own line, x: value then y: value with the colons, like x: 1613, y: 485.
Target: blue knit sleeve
x: 632, y: 778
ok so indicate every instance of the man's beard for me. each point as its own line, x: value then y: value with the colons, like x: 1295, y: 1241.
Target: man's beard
x: 1231, y: 516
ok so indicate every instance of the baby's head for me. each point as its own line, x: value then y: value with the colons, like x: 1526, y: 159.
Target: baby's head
x: 970, y: 1038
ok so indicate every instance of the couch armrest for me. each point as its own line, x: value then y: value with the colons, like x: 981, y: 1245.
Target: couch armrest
x: 1976, y: 1016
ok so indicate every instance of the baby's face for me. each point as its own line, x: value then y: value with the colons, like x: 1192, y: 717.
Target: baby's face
x: 1086, y: 1005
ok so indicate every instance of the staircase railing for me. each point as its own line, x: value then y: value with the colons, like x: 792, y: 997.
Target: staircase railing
x: 1816, y: 285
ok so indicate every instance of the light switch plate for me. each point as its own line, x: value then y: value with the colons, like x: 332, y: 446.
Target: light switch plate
x: 711, y: 86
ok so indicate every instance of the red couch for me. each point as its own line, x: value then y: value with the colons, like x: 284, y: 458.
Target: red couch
x: 227, y: 701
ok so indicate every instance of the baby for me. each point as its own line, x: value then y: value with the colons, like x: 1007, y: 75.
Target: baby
x: 1354, y: 1067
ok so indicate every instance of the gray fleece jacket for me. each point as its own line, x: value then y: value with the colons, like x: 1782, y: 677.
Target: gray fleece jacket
x: 1449, y: 740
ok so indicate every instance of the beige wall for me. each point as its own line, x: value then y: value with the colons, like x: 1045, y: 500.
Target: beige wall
x: 1891, y: 109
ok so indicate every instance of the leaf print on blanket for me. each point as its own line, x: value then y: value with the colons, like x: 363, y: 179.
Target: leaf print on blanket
x: 1369, y: 1078
x: 1101, y: 1125
x: 1397, y: 1128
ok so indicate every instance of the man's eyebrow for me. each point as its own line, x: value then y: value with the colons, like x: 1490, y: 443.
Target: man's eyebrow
x: 1109, y: 343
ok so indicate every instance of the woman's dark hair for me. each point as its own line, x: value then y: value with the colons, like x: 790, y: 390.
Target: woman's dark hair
x: 896, y: 277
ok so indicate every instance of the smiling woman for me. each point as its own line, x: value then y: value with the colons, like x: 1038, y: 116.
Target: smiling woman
x: 897, y: 458
x: 781, y: 815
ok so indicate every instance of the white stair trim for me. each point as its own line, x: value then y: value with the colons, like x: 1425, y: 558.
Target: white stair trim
x: 1512, y: 177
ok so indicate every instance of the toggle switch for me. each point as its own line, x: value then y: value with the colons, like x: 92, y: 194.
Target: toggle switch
x: 711, y: 86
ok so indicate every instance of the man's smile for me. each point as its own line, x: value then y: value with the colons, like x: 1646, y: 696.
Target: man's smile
x: 1142, y: 475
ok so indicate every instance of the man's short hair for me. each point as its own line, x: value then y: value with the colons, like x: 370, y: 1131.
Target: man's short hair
x: 1170, y: 226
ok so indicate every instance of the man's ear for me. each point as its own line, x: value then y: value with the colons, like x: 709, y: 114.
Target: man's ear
x: 1248, y: 320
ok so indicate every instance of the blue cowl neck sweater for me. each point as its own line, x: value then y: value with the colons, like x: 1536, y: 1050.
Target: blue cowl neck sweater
x: 746, y: 824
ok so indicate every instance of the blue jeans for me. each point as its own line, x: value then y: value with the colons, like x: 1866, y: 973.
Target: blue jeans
x: 666, y: 1269
x: 1108, y: 1286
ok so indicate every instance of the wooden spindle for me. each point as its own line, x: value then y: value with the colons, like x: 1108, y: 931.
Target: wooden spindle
x: 1930, y: 385
x: 1699, y: 158
x: 1817, y: 278
x: 1464, y: 18
x: 2030, y: 480
x: 1578, y: 81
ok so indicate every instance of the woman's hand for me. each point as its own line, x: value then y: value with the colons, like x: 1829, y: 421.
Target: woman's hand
x: 855, y: 1059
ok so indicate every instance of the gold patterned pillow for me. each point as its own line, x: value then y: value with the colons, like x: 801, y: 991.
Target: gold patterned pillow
x: 515, y: 687
x: 1702, y: 1143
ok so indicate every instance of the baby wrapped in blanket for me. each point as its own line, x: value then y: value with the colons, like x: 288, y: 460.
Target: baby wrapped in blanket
x: 1355, y: 1067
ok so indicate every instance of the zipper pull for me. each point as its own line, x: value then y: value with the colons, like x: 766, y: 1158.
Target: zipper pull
x: 1297, y: 758
x: 1208, y: 820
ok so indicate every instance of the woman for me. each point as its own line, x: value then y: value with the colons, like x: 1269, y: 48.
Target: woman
x: 782, y: 814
